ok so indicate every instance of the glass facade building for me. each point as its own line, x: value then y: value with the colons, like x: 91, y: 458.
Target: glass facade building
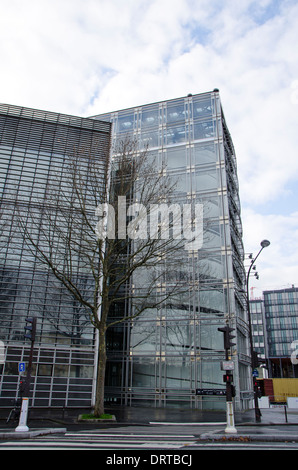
x: 259, y: 333
x: 34, y: 150
x: 281, y: 312
x: 163, y: 356
x: 258, y: 328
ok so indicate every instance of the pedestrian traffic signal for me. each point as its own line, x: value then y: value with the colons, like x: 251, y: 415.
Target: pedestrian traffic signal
x: 30, y: 328
x: 226, y: 330
x: 257, y: 388
x: 23, y: 386
x: 228, y: 378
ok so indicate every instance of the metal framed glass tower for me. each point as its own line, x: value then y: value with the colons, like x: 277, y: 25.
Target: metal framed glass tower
x: 163, y: 356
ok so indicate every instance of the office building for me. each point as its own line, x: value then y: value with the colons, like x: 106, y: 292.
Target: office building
x: 259, y: 334
x: 35, y: 151
x: 162, y: 357
x: 281, y: 313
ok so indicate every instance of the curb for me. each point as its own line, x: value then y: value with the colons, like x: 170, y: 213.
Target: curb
x: 96, y: 420
x: 223, y: 437
x: 13, y: 435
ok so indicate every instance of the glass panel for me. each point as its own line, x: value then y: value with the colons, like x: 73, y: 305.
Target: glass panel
x: 125, y: 123
x: 150, y: 118
x: 202, y: 108
x: 150, y: 139
x: 205, y: 180
x: 212, y: 375
x: 178, y: 372
x: 179, y: 337
x: 174, y: 135
x: 61, y: 370
x: 212, y: 206
x: 144, y: 337
x: 212, y: 300
x: 203, y: 154
x: 212, y: 237
x: 45, y: 369
x: 183, y: 183
x: 143, y: 372
x: 81, y: 371
x: 176, y: 157
x: 203, y: 130
x: 176, y: 112
x: 210, y: 338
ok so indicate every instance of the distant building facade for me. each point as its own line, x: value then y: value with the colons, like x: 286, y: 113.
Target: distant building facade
x: 281, y: 314
x: 259, y: 333
x: 274, y: 320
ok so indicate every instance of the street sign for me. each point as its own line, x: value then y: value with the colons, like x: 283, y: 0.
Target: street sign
x: 255, y: 373
x: 227, y: 365
x: 211, y: 391
x: 22, y: 367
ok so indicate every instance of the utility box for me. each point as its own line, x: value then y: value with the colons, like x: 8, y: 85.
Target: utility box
x: 292, y: 402
x: 264, y: 402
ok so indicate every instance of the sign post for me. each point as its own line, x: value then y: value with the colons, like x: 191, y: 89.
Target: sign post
x: 228, y: 367
x: 30, y: 331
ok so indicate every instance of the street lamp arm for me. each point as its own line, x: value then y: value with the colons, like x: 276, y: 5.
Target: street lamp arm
x: 264, y: 244
x: 252, y: 264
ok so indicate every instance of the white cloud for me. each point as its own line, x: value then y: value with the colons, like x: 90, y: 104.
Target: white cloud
x: 87, y: 57
x: 278, y: 264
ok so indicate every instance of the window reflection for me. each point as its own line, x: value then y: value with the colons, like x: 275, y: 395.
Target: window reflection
x: 150, y: 118
x: 174, y: 135
x: 203, y: 130
x: 125, y: 123
x: 202, y: 108
x: 176, y: 112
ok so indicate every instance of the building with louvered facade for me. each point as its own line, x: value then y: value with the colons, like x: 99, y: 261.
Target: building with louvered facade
x: 35, y: 147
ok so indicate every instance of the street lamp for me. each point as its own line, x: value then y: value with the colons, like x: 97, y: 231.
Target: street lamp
x: 264, y: 244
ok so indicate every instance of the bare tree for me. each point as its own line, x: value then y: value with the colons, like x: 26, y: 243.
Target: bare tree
x: 92, y: 232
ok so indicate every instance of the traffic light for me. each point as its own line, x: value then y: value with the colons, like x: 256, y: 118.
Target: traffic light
x: 30, y: 328
x: 255, y: 360
x: 257, y: 388
x: 228, y: 378
x: 23, y: 386
x: 226, y: 330
x: 230, y: 388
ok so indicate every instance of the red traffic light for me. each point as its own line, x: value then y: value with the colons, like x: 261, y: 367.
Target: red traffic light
x: 228, y: 378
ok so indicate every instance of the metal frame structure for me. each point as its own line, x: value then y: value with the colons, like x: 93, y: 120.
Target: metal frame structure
x: 166, y: 354
x: 34, y: 145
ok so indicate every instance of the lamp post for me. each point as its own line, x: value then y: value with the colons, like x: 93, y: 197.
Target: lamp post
x: 264, y: 244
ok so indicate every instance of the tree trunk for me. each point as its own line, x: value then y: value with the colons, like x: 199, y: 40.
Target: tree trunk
x: 101, y: 369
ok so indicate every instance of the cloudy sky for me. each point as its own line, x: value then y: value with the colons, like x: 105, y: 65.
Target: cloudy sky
x: 86, y: 57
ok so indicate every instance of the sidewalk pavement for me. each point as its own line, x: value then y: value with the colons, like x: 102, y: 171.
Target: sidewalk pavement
x: 275, y: 425
x: 13, y: 435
